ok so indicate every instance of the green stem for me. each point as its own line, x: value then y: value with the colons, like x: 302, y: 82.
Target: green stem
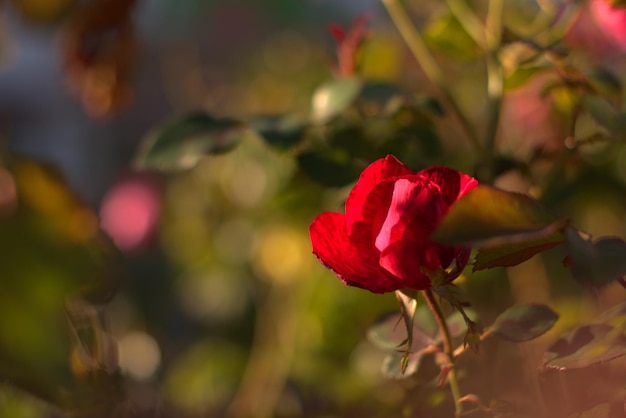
x: 495, y: 82
x: 447, y: 348
x: 425, y: 59
x: 468, y: 20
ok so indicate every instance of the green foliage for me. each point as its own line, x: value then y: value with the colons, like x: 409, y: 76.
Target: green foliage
x: 595, y: 264
x: 181, y: 143
x: 334, y: 98
x: 601, y: 341
x: 524, y: 322
x: 508, y: 228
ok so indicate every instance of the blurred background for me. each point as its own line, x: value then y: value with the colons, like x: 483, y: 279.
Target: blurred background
x: 208, y: 301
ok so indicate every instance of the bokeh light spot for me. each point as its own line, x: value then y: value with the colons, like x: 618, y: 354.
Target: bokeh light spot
x: 139, y: 355
x: 130, y: 212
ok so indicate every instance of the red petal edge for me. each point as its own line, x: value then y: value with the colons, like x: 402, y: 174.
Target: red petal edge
x: 379, y: 170
x: 453, y: 183
x: 355, y: 266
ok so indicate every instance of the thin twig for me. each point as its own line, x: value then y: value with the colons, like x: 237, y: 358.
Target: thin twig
x: 431, y: 69
x: 447, y: 349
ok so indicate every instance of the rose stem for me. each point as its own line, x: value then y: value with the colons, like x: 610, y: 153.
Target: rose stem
x: 420, y: 51
x: 447, y: 348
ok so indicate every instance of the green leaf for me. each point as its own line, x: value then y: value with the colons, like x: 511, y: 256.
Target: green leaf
x: 513, y: 254
x: 280, y: 132
x: 376, y: 97
x: 447, y: 35
x: 486, y: 214
x: 586, y: 346
x: 332, y: 168
x: 604, y: 339
x: 595, y: 263
x: 181, y: 143
x: 50, y: 258
x: 604, y: 82
x: 507, y: 227
x: 521, y: 75
x: 524, y: 322
x: 606, y: 115
x: 333, y: 98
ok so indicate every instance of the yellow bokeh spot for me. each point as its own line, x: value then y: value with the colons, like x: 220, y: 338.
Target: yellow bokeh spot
x: 281, y: 254
x: 43, y: 10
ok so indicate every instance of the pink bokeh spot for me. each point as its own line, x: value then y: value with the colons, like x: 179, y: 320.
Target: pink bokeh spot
x: 130, y: 211
x: 600, y: 29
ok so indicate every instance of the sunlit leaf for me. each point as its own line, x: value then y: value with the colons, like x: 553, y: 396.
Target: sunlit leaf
x: 181, y: 143
x: 281, y: 132
x: 507, y: 227
x: 486, y: 213
x: 446, y: 34
x: 602, y: 340
x: 586, y: 346
x: 333, y: 98
x: 513, y: 254
x: 595, y: 263
x: 524, y: 322
x: 521, y: 75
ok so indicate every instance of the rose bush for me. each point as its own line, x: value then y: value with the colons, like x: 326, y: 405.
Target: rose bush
x: 382, y: 242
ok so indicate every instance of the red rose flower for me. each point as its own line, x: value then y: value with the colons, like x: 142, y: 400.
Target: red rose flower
x: 382, y: 242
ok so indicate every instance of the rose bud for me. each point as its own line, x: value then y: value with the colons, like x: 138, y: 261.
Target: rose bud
x: 382, y: 242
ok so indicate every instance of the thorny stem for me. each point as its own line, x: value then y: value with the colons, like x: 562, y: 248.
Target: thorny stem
x: 420, y: 51
x: 447, y: 349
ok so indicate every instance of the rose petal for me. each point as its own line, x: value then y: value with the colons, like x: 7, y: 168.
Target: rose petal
x: 404, y: 259
x: 375, y: 173
x: 355, y: 265
x: 413, y: 214
x: 453, y: 183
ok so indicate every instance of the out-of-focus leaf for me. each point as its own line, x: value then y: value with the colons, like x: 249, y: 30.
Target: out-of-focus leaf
x: 615, y: 316
x: 397, y: 366
x: 389, y: 333
x: 333, y: 168
x: 513, y: 254
x: 51, y: 254
x: 333, y: 98
x: 595, y: 263
x: 429, y: 104
x: 604, y: 82
x: 281, y: 132
x: 606, y: 115
x: 524, y: 322
x: 586, y: 346
x: 376, y: 96
x: 521, y: 75
x: 509, y: 228
x: 446, y: 34
x: 599, y: 411
x: 601, y: 341
x: 182, y: 143
x: 457, y: 324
